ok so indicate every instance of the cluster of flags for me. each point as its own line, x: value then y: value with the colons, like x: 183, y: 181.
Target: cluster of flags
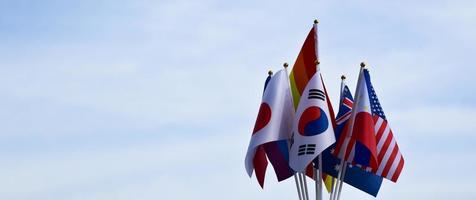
x: 297, y: 132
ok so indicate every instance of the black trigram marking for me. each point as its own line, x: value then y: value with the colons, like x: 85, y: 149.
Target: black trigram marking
x: 306, y: 149
x: 316, y: 94
x: 291, y: 140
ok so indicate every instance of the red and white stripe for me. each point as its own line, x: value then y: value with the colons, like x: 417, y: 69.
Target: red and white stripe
x: 390, y: 160
x: 348, y: 103
x: 389, y: 157
x: 345, y: 145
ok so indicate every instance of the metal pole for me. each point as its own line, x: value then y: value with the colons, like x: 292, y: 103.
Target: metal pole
x: 297, y: 186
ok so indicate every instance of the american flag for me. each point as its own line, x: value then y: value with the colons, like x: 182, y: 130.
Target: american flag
x: 388, y: 156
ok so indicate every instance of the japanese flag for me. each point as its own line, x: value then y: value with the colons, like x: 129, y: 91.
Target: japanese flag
x: 274, y: 122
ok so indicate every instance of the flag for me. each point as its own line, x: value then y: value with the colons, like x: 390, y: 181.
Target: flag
x: 305, y: 66
x: 278, y: 154
x: 313, y: 129
x: 274, y: 123
x: 354, y: 176
x: 370, y: 143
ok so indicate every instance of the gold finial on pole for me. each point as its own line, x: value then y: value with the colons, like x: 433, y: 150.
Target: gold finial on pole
x: 316, y: 22
x: 362, y: 64
x: 342, y: 77
x: 285, y: 65
x: 270, y: 72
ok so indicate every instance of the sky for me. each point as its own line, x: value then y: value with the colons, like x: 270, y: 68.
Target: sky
x: 103, y: 99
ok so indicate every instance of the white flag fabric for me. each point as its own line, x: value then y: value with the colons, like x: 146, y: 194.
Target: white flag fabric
x: 313, y: 131
x: 275, y: 117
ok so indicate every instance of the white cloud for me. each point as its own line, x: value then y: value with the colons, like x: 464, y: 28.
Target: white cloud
x: 435, y: 120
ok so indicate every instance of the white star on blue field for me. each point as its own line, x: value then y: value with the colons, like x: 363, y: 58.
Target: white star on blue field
x: 157, y: 99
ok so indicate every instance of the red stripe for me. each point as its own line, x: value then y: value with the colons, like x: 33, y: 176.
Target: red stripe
x: 398, y: 170
x: 299, y: 73
x: 304, y: 67
x: 349, y: 148
x: 375, y: 117
x: 348, y: 102
x: 385, y: 146
x: 339, y: 144
x: 309, y: 53
x: 390, y: 161
x: 310, y: 171
x: 260, y: 164
x: 381, y: 130
x: 343, y: 117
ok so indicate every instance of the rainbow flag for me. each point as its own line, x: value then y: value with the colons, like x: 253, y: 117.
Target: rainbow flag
x: 303, y: 70
x: 305, y: 66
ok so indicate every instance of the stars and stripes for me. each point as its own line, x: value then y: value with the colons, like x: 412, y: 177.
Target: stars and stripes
x: 389, y: 156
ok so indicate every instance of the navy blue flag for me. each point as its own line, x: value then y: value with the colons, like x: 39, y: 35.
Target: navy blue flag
x: 354, y: 176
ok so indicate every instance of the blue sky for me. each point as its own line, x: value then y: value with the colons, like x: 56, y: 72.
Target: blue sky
x: 157, y: 99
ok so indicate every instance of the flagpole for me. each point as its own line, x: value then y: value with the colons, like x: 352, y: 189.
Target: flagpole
x: 316, y: 179
x: 342, y: 181
x: 344, y: 163
x: 338, y: 182
x: 303, y: 192
x: 305, y: 185
x: 317, y: 169
x: 299, y: 188
x: 320, y: 176
x: 332, y: 185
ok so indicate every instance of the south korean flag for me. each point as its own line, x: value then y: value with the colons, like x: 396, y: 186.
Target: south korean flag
x: 312, y: 128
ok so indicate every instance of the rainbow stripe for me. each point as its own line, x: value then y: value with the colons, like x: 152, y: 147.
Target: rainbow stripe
x: 304, y: 67
x: 328, y: 182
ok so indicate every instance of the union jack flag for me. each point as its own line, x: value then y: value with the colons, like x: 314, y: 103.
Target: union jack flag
x: 345, y: 108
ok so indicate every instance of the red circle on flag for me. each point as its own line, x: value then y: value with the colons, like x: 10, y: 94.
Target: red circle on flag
x: 264, y: 116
